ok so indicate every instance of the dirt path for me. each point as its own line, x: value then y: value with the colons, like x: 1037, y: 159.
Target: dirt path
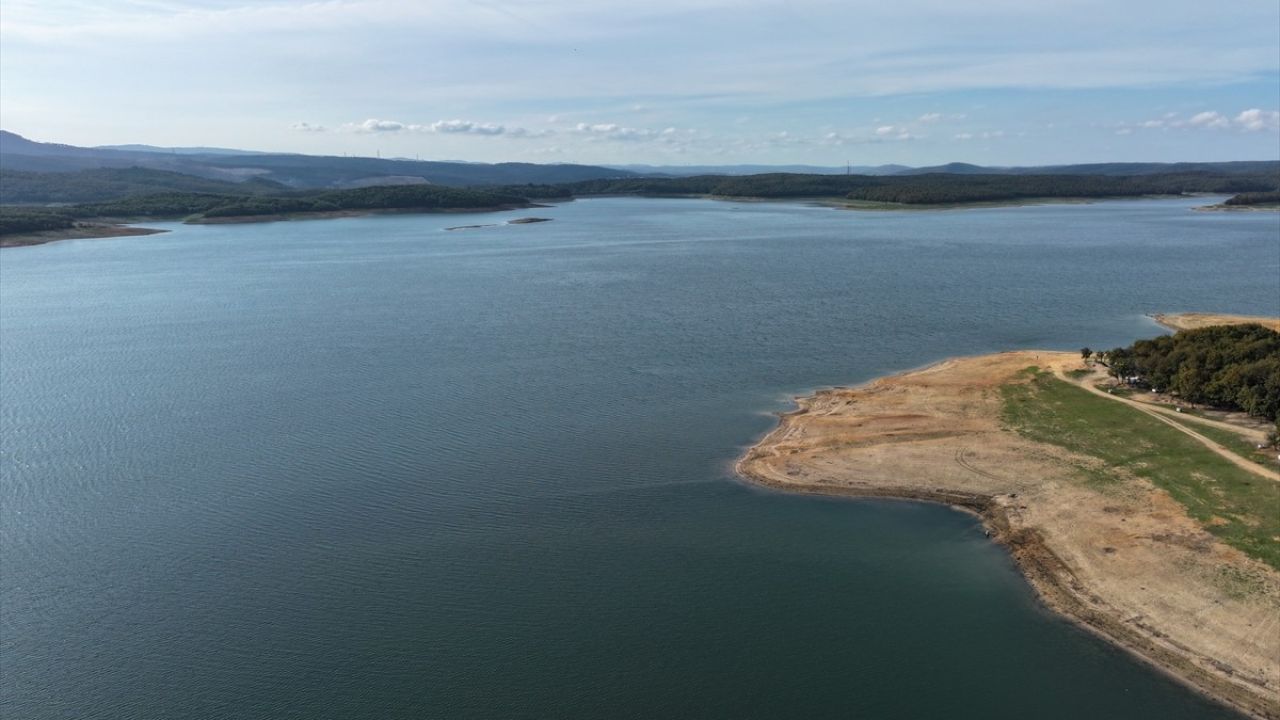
x: 1253, y: 435
x: 1234, y: 458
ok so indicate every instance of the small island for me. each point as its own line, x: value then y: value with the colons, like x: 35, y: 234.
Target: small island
x: 1142, y: 519
x: 1265, y: 200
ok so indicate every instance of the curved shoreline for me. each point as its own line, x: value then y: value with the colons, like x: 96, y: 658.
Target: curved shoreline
x: 801, y: 454
x: 84, y: 232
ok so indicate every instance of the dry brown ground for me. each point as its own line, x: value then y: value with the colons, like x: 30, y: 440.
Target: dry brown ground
x: 1126, y: 561
x: 1191, y: 321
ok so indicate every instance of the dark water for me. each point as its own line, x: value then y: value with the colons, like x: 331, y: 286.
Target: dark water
x: 367, y: 468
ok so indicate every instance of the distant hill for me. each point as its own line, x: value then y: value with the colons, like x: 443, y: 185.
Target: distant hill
x: 1245, y: 167
x: 955, y: 168
x: 180, y: 150
x: 960, y: 168
x: 296, y: 171
x: 101, y: 184
x: 691, y: 170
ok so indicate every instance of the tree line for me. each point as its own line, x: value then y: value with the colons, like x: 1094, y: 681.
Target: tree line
x: 1228, y: 366
x: 933, y: 189
x: 19, y: 219
x: 1255, y: 198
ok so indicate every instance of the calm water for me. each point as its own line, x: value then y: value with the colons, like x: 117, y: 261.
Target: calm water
x: 368, y: 468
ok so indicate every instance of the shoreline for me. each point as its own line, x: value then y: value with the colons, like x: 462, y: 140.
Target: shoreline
x: 105, y: 227
x: 330, y: 214
x: 1238, y: 208
x: 84, y: 232
x: 124, y: 227
x: 1193, y: 320
x: 800, y: 455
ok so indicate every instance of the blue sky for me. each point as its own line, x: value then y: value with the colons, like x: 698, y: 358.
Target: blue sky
x: 998, y: 82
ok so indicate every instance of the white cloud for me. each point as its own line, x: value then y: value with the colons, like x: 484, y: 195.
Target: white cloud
x: 466, y: 126
x: 307, y: 127
x: 964, y: 136
x: 442, y: 127
x: 1125, y: 131
x: 1209, y: 119
x: 613, y: 131
x: 373, y: 125
x: 886, y: 130
x: 930, y: 117
x: 1256, y: 120
x: 1251, y: 120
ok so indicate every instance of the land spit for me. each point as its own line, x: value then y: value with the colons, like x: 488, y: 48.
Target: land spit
x: 81, y: 231
x: 1122, y: 560
x: 1193, y: 320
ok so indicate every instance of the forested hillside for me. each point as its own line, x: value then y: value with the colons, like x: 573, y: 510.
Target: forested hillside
x: 98, y: 184
x: 425, y: 198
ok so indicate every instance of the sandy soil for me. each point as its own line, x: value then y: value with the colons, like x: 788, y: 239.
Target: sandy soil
x: 1126, y: 562
x: 1190, y: 321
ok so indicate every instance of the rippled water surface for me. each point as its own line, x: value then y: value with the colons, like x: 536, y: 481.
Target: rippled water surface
x: 369, y: 468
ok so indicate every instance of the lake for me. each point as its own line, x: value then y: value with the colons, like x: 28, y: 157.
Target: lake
x: 366, y: 467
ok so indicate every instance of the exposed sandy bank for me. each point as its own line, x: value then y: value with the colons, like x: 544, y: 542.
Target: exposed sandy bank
x: 1126, y: 561
x: 1191, y: 321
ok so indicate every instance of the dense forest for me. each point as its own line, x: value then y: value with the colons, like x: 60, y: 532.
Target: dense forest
x: 24, y: 220
x: 1228, y: 366
x: 935, y: 188
x: 1255, y: 198
x: 427, y: 198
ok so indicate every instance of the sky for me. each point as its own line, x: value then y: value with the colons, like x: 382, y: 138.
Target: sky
x: 675, y: 82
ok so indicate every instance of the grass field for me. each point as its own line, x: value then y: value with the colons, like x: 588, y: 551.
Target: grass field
x: 1240, y: 508
x: 1235, y: 442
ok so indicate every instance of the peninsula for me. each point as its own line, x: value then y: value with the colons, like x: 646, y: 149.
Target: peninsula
x: 1129, y: 518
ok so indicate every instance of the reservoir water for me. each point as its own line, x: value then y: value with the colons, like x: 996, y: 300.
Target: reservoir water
x: 368, y: 468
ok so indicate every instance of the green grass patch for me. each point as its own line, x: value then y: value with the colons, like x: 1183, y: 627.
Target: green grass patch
x: 1235, y: 442
x: 1240, y: 508
x: 1079, y: 372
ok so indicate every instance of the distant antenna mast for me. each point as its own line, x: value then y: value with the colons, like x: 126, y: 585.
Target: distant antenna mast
x: 848, y: 168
